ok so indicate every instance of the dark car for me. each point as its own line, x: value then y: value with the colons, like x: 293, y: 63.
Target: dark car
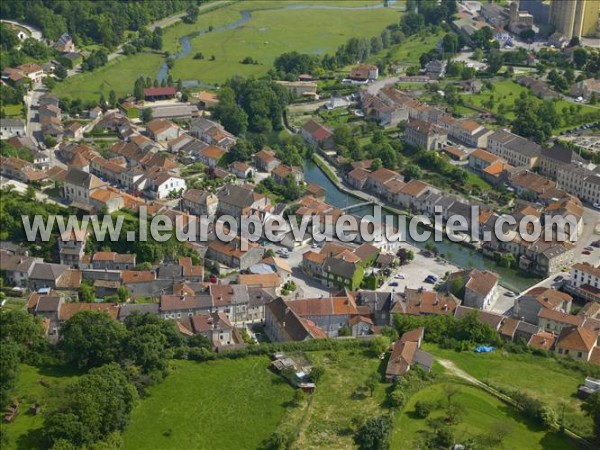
x: 393, y: 283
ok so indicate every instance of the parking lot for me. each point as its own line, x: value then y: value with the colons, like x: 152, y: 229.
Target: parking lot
x: 411, y: 275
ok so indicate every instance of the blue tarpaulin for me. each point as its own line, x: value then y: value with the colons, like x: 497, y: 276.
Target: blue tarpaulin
x: 484, y: 349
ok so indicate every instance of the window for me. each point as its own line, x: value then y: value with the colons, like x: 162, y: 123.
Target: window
x: 579, y: 354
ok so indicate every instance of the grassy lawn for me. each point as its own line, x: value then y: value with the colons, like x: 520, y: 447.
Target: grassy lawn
x: 118, y: 75
x: 409, y: 51
x: 339, y: 400
x: 485, y: 415
x: 541, y: 377
x: 25, y: 431
x: 269, y: 33
x: 13, y: 110
x: 507, y: 91
x: 225, y: 404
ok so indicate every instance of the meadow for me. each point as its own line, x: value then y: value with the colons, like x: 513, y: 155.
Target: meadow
x: 484, y: 415
x: 340, y: 401
x: 224, y: 404
x: 541, y: 377
x: 118, y: 75
x: 269, y: 33
x: 25, y: 432
x: 507, y: 91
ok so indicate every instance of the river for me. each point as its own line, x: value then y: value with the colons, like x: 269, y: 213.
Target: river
x: 457, y: 254
x: 245, y: 16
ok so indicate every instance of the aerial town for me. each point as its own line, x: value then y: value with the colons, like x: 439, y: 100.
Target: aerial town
x: 215, y: 114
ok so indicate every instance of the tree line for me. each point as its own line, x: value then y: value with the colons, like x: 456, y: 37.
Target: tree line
x: 104, y: 23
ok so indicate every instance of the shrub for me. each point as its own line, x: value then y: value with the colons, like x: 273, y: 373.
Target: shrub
x: 423, y: 408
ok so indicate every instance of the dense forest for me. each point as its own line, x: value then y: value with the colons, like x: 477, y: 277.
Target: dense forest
x: 87, y: 21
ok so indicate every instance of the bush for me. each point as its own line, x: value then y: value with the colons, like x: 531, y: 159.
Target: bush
x: 396, y: 398
x: 423, y: 408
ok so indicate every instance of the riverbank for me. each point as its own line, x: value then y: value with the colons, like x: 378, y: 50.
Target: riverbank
x: 458, y: 254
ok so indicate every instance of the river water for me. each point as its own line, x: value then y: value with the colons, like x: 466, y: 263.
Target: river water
x: 456, y: 253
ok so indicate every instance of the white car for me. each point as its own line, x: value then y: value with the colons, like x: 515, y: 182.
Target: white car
x: 399, y: 276
x: 597, y: 205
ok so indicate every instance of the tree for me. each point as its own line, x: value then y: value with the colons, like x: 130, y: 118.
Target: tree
x: 191, y: 14
x: 413, y: 171
x: 423, y: 408
x: 374, y: 434
x: 87, y: 293
x: 91, y: 338
x: 22, y: 329
x: 147, y: 115
x: 112, y: 99
x: 342, y: 135
x: 527, y: 35
x: 92, y: 408
x: 591, y: 408
x: 371, y: 382
x: 60, y: 72
x: 9, y: 371
x: 8, y: 38
x: 495, y: 62
x: 450, y: 43
x: 580, y: 57
x: 123, y: 294
x: 138, y: 90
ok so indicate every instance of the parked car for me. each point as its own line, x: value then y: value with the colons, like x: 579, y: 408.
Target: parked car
x: 213, y: 279
x: 597, y: 205
x: 558, y: 278
x: 393, y: 283
x: 589, y: 249
x: 586, y: 252
x: 509, y: 294
x: 399, y: 276
x: 596, y: 244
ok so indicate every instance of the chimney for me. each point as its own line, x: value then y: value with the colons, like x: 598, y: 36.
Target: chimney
x: 445, y: 307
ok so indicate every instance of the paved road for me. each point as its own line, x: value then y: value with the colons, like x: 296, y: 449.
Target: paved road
x: 36, y: 33
x: 32, y: 99
x: 22, y: 187
x: 177, y: 17
x: 376, y: 86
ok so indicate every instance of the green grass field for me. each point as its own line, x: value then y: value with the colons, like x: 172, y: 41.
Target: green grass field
x: 541, y: 377
x: 269, y: 33
x: 118, y: 75
x: 13, y: 110
x: 25, y: 431
x: 338, y: 402
x: 507, y: 91
x: 409, y: 51
x: 485, y: 415
x: 224, y: 404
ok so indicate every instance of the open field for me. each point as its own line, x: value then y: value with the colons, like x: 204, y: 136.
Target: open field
x: 485, y: 415
x: 25, y: 431
x: 269, y: 33
x: 119, y: 74
x: 338, y: 401
x: 409, y: 51
x: 507, y: 91
x: 13, y: 110
x: 224, y: 404
x: 541, y: 377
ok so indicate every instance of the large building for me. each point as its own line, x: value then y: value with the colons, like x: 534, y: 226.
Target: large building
x: 575, y: 18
